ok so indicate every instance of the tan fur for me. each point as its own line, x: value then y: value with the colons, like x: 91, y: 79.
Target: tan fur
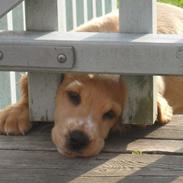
x: 170, y: 21
x: 14, y: 119
x: 98, y: 94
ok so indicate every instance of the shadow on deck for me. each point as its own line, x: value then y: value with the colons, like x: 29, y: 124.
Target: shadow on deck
x: 154, y: 154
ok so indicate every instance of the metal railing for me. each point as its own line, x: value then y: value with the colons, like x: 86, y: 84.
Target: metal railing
x: 75, y: 12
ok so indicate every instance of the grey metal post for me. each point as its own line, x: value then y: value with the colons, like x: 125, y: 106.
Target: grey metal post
x: 41, y: 15
x: 139, y: 16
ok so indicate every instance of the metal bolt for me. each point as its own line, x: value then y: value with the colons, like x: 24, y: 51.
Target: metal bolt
x: 1, y: 55
x: 61, y: 58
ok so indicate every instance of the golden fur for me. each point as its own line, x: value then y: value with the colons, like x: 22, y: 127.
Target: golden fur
x: 96, y: 99
x: 98, y: 95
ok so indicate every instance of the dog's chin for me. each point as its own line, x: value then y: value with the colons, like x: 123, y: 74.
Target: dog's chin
x: 67, y: 154
x: 88, y: 152
x: 92, y: 150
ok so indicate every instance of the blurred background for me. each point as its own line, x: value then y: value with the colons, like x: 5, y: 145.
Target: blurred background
x: 175, y: 2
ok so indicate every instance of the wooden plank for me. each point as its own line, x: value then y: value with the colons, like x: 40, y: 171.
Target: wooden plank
x: 177, y: 121
x: 153, y: 139
x: 50, y: 166
x: 47, y: 176
x: 101, y: 52
x: 7, y: 5
x: 152, y: 133
x: 139, y: 17
x: 149, y: 146
x: 170, y: 131
x: 100, y: 165
x: 33, y: 158
x: 113, y: 145
x: 130, y: 179
x: 43, y: 15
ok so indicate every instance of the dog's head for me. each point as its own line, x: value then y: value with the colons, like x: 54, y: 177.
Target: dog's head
x: 87, y: 108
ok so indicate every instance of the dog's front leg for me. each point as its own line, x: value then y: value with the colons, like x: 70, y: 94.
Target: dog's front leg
x: 14, y: 120
x: 165, y: 111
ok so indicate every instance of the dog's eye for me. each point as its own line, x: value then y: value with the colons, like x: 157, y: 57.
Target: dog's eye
x: 74, y: 97
x: 109, y: 115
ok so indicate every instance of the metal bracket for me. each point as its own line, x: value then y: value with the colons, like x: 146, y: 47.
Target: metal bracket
x: 36, y: 57
x: 7, y: 5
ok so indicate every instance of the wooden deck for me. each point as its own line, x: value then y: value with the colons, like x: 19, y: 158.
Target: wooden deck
x: 152, y: 155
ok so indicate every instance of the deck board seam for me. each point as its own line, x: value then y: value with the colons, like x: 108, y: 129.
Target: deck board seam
x: 130, y: 152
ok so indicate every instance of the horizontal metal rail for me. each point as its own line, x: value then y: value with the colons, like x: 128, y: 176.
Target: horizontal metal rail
x: 92, y: 52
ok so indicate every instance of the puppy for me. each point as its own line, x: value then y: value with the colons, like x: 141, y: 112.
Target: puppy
x: 88, y: 107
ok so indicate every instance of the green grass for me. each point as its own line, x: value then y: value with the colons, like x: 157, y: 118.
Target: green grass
x: 175, y: 2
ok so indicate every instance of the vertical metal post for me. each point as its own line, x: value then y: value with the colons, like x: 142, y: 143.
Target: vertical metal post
x: 42, y: 15
x: 139, y: 17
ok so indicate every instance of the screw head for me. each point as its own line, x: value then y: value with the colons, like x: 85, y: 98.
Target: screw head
x: 61, y: 58
x: 1, y: 55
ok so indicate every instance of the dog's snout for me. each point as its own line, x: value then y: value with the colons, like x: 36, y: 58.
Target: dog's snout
x: 78, y: 140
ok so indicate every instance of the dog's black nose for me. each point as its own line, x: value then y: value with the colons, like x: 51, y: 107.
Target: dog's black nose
x: 78, y: 140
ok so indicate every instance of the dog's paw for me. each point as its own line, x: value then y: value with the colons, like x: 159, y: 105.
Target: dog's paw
x: 165, y: 111
x: 14, y: 120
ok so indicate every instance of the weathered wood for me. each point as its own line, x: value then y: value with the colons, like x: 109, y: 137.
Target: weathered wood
x: 33, y: 158
x: 176, y: 122
x: 7, y: 5
x: 113, y: 145
x: 139, y: 17
x: 42, y: 15
x: 49, y: 167
x: 129, y: 179
x: 152, y: 139
x: 103, y: 52
x: 47, y: 176
x: 145, y: 146
x: 105, y: 164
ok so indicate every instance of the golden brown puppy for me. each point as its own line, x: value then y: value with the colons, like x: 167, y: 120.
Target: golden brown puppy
x: 87, y: 108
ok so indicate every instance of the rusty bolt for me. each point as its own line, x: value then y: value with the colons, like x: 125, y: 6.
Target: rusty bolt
x: 61, y: 58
